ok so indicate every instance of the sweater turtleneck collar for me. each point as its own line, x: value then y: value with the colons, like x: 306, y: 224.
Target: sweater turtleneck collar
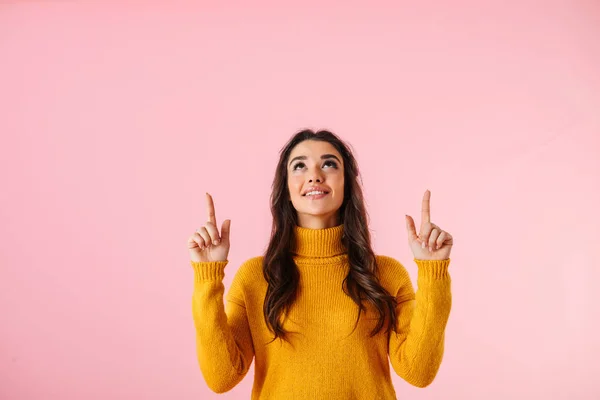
x: 319, y: 243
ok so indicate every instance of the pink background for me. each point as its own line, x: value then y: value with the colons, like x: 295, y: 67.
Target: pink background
x: 117, y: 118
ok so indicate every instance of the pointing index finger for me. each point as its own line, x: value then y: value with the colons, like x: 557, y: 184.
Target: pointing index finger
x: 211, y: 209
x: 425, y: 208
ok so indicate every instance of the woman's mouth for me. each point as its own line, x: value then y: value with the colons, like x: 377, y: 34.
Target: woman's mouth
x: 316, y: 196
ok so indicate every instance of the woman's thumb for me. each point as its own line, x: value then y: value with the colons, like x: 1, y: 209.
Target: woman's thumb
x: 410, y: 227
x: 225, y: 228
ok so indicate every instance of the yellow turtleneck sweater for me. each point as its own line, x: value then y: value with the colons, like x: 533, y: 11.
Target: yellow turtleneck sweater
x: 324, y: 360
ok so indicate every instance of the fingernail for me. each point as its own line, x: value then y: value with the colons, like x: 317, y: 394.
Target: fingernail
x: 215, y: 242
x: 429, y: 248
x: 423, y: 245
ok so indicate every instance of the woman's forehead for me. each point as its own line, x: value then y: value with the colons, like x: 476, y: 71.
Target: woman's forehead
x: 313, y: 148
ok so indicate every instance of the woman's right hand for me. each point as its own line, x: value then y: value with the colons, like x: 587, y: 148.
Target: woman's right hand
x: 202, y: 243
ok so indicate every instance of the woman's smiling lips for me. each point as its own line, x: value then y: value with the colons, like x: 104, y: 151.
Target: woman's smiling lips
x: 316, y: 196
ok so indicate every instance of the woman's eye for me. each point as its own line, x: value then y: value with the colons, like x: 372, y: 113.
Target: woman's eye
x: 328, y: 162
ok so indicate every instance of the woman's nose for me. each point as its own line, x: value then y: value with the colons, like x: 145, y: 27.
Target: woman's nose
x: 315, y: 174
x: 316, y: 177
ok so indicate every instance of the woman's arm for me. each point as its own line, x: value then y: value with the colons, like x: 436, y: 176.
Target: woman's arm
x: 417, y: 349
x: 223, y: 340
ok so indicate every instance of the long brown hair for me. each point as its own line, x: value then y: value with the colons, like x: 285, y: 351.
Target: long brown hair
x: 279, y: 268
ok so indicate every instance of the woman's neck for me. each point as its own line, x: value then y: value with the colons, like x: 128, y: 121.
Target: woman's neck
x: 318, y: 221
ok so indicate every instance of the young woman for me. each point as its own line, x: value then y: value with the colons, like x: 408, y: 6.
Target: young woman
x: 319, y: 311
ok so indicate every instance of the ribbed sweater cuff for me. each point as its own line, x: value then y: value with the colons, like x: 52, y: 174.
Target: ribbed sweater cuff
x: 209, y: 271
x: 433, y: 269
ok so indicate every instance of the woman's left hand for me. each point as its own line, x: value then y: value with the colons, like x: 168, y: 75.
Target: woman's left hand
x: 432, y: 243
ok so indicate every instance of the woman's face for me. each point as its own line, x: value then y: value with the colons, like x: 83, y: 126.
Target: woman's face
x: 316, y: 164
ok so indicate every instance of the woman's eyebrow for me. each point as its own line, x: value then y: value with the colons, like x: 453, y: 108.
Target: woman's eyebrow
x: 323, y: 157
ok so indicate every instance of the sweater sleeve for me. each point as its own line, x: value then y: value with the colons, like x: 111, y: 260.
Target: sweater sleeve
x: 223, y: 341
x: 416, y: 350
